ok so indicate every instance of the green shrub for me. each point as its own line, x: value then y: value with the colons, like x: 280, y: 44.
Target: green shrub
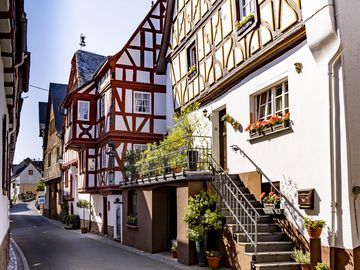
x: 314, y: 224
x: 74, y: 221
x: 300, y: 257
x: 322, y: 266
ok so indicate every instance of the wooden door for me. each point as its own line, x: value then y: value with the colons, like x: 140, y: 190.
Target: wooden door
x: 105, y: 215
x: 222, y: 141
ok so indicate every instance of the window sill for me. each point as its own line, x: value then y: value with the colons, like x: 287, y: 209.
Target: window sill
x: 132, y: 227
x: 268, y: 132
x: 246, y: 27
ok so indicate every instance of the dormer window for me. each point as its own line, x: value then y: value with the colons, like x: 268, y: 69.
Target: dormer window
x: 83, y: 110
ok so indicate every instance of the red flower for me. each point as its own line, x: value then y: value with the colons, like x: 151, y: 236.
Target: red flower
x: 271, y: 193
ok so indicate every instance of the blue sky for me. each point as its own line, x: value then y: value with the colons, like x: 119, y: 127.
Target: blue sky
x: 54, y: 29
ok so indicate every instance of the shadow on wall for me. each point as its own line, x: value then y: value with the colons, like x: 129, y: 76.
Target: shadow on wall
x: 230, y: 250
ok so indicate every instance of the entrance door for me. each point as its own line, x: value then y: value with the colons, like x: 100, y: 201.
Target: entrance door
x: 171, y: 216
x: 118, y: 223
x: 222, y: 140
x: 105, y: 215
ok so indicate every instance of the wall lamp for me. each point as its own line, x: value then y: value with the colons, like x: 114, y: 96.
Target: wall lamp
x: 205, y: 114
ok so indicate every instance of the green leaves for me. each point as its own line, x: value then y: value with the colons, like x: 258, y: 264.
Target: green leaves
x: 201, y: 215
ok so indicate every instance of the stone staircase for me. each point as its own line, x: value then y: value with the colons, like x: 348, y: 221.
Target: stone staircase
x: 274, y: 247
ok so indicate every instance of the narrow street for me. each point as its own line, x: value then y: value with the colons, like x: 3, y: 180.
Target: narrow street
x: 48, y: 246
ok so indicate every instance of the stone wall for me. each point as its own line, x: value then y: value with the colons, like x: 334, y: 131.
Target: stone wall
x: 4, y: 251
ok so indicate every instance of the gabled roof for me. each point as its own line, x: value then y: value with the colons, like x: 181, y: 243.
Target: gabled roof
x: 42, y: 112
x: 57, y: 93
x: 86, y: 64
x: 17, y: 169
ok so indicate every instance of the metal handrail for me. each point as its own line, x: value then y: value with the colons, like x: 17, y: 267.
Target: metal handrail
x: 236, y: 148
x: 240, y: 208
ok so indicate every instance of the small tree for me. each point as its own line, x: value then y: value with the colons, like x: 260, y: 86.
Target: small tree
x: 84, y: 204
x: 40, y: 186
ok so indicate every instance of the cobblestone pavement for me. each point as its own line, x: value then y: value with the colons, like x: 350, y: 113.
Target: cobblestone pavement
x: 13, y: 261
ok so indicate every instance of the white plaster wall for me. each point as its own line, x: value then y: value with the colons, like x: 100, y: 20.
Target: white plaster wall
x: 159, y: 104
x: 299, y: 159
x: 4, y: 204
x: 25, y: 178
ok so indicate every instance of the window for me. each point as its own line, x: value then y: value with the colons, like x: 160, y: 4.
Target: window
x: 274, y: 101
x: 245, y: 8
x: 191, y: 56
x: 83, y: 110
x: 49, y: 160
x: 142, y: 103
x: 140, y: 147
x: 102, y: 106
x: 132, y: 206
x: 31, y: 172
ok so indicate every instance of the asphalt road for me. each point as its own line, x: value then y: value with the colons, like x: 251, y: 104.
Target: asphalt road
x: 48, y: 246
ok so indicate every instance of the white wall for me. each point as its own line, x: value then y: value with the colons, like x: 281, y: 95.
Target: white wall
x: 25, y: 178
x: 299, y: 159
x: 4, y: 204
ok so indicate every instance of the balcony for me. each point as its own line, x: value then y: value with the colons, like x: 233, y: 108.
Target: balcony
x: 187, y: 158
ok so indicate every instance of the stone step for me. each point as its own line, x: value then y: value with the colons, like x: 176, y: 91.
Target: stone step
x: 290, y: 265
x: 234, y: 228
x: 269, y: 257
x: 269, y: 246
x: 263, y: 219
x: 263, y: 237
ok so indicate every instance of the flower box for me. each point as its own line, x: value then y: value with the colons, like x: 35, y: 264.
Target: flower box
x: 278, y: 127
x: 269, y: 205
x: 273, y: 211
x: 267, y: 130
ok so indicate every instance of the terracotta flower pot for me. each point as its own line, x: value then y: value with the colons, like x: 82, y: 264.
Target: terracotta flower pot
x: 314, y: 232
x: 305, y: 267
x: 175, y: 254
x: 213, y: 262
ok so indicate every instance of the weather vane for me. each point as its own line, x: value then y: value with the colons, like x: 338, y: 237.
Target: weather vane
x: 82, y: 40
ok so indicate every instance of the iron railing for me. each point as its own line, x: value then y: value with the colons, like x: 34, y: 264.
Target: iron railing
x: 168, y: 161
x: 236, y: 149
x: 242, y: 211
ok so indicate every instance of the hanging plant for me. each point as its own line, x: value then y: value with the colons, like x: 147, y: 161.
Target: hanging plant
x: 235, y: 124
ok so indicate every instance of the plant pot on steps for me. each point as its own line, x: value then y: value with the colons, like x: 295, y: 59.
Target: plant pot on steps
x: 175, y: 254
x: 213, y: 262
x: 314, y: 232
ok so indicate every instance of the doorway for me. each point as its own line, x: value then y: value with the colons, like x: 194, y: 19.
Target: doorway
x: 171, y: 216
x: 105, y: 216
x: 222, y: 140
x: 118, y: 230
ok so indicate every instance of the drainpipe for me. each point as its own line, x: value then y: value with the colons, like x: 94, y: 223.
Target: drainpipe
x: 334, y: 138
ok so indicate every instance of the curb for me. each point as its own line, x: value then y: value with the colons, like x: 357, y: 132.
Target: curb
x: 21, y: 254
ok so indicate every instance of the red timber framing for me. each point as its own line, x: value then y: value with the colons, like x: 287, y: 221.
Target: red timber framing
x: 117, y: 122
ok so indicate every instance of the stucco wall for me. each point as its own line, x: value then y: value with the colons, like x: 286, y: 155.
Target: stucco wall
x: 299, y: 158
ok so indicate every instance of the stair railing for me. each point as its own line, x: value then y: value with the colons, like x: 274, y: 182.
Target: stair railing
x: 236, y: 149
x: 242, y: 211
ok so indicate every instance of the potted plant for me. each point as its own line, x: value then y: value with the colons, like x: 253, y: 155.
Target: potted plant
x: 132, y: 221
x: 235, y: 124
x: 272, y: 200
x: 213, y: 257
x: 201, y: 215
x: 72, y: 222
x: 174, y: 248
x: 84, y: 204
x: 314, y: 227
x: 322, y: 266
x: 300, y: 257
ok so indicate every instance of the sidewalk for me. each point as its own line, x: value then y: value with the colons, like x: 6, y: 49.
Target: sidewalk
x: 165, y: 257
x: 17, y: 258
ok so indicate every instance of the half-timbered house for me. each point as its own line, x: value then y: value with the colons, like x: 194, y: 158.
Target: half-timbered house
x: 52, y: 151
x: 119, y: 106
x: 250, y: 63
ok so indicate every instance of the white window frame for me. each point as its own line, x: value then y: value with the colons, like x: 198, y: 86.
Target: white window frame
x: 140, y: 147
x: 269, y: 106
x: 242, y: 5
x: 81, y: 116
x: 135, y: 100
